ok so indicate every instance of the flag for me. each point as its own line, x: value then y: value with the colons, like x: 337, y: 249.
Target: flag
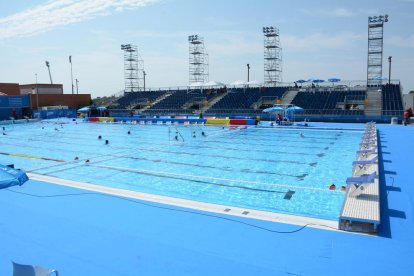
x: 70, y: 59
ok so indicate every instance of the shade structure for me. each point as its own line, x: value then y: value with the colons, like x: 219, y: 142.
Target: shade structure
x: 273, y: 109
x: 101, y: 108
x: 334, y: 79
x: 213, y: 84
x: 380, y: 78
x: 11, y: 177
x: 301, y: 81
x: 253, y: 82
x: 317, y: 80
x: 196, y: 84
x: 85, y: 109
x: 238, y: 82
x: 294, y: 109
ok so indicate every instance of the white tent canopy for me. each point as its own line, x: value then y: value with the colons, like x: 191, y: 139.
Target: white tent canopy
x: 207, y: 84
x: 254, y: 83
x: 196, y: 84
x: 238, y: 82
x: 213, y: 84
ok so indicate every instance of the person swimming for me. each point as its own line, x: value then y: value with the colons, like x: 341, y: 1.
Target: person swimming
x: 99, y: 137
x: 129, y: 132
x: 302, y: 135
x: 194, y: 134
x: 106, y: 142
x: 203, y: 134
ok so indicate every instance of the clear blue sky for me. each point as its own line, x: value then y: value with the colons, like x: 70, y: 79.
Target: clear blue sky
x: 320, y: 39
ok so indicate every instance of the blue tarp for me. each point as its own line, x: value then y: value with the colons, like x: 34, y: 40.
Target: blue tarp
x: 14, y: 101
x: 57, y: 113
x: 11, y: 177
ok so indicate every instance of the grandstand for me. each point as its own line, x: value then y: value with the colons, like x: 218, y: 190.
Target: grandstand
x: 324, y: 102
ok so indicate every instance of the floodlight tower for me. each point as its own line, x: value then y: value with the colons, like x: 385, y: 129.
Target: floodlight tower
x: 198, y: 60
x: 48, y: 68
x: 272, y: 56
x: 133, y: 68
x: 375, y: 49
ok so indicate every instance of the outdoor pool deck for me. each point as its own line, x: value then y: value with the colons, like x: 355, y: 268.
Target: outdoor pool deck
x: 79, y: 232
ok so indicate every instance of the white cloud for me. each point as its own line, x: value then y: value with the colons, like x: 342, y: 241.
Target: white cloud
x: 56, y: 13
x: 338, y: 12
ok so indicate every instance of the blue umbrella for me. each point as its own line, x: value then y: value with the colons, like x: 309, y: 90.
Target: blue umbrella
x: 380, y: 78
x: 317, y: 81
x: 301, y: 81
x: 101, y: 108
x: 85, y: 109
x: 11, y: 177
x: 273, y: 109
x: 334, y: 80
x: 294, y: 109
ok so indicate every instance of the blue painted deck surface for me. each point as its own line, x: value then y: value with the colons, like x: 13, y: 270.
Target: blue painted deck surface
x: 86, y: 233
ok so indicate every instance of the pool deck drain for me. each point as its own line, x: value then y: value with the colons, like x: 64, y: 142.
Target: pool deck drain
x: 209, y: 207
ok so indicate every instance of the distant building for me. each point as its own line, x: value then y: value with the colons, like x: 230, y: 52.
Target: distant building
x: 41, y: 89
x: 10, y: 89
x: 22, y: 100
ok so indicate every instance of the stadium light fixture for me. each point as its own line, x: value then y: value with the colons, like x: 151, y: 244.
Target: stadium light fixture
x: 48, y: 68
x: 126, y: 47
x: 378, y: 19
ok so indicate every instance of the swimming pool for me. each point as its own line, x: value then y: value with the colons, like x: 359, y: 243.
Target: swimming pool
x: 276, y: 170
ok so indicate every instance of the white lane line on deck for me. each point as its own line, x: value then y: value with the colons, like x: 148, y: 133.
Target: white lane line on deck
x: 185, y: 203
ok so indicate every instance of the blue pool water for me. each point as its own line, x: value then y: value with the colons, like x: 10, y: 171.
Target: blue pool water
x: 251, y: 168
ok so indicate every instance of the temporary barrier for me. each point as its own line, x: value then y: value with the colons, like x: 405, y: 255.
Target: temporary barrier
x: 52, y: 114
x: 14, y: 101
x: 93, y: 119
x: 106, y: 119
x: 218, y: 121
x: 160, y: 121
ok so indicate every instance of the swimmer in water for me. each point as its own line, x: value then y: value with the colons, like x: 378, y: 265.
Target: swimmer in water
x: 129, y: 132
x: 106, y: 142
x: 99, y: 137
x: 203, y: 134
x: 301, y: 135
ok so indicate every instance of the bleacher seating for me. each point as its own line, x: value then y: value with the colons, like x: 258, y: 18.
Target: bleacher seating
x: 326, y: 101
x: 130, y: 98
x: 243, y: 98
x: 176, y: 101
x: 392, y: 100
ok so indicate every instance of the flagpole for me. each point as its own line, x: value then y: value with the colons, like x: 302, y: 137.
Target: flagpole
x: 71, y: 71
